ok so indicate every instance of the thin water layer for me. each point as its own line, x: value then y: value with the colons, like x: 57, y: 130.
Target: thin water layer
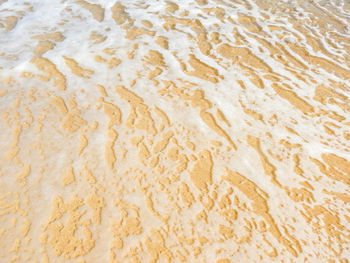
x: 174, y: 131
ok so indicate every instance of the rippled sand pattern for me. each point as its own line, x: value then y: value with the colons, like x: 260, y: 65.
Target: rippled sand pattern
x: 175, y: 131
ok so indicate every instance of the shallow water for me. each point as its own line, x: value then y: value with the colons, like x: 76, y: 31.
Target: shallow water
x: 184, y: 131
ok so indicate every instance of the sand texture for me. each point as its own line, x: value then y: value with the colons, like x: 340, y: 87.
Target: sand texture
x: 209, y: 131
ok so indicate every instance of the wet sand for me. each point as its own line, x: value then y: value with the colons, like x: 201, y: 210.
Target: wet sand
x: 160, y: 131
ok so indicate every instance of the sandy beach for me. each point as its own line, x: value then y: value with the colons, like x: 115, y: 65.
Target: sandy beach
x: 209, y: 131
